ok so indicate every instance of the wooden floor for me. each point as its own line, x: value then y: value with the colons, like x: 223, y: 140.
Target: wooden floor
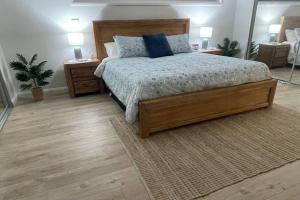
x: 284, y: 73
x: 66, y: 149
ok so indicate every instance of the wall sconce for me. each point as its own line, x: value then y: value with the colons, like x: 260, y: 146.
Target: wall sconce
x: 205, y: 33
x: 274, y: 29
x: 76, y: 39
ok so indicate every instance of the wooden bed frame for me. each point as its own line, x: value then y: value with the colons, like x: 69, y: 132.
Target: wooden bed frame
x: 173, y: 111
x: 290, y: 22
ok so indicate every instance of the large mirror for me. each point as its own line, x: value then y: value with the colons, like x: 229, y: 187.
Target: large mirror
x: 273, y: 38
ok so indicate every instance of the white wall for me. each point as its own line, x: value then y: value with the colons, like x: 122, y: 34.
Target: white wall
x: 40, y: 26
x: 270, y: 13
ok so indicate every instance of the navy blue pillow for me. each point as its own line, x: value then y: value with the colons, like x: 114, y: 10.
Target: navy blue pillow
x: 157, y: 46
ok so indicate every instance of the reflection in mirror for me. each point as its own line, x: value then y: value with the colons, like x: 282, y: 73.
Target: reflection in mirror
x: 274, y: 38
x: 5, y: 103
x: 295, y: 54
x: 2, y: 103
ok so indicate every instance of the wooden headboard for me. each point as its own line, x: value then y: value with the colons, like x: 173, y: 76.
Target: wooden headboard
x: 105, y: 30
x: 288, y: 23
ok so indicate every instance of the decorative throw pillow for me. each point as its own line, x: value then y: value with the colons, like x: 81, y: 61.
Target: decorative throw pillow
x: 179, y: 43
x: 111, y: 49
x: 130, y: 46
x: 157, y: 46
x: 290, y: 35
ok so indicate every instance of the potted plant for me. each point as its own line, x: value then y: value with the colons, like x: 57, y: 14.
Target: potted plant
x: 32, y: 74
x: 253, y: 51
x: 229, y: 48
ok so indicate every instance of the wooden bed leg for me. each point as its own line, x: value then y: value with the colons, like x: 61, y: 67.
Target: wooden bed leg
x: 144, y: 133
x: 272, y: 94
x: 144, y: 130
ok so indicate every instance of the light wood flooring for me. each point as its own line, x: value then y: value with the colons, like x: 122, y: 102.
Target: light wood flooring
x: 284, y: 73
x: 66, y: 149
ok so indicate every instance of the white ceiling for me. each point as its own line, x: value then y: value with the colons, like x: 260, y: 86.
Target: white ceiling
x: 145, y: 2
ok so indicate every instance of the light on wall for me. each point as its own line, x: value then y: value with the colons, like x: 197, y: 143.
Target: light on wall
x: 74, y: 25
x: 76, y: 39
x: 205, y: 33
x: 274, y: 29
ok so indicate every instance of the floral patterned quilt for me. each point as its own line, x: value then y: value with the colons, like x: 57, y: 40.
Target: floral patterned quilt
x: 141, y: 78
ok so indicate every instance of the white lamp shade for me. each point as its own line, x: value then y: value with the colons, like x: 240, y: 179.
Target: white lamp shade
x: 274, y: 28
x: 206, y: 32
x: 75, y: 39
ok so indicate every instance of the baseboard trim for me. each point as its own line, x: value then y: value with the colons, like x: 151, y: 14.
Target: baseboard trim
x: 47, y: 91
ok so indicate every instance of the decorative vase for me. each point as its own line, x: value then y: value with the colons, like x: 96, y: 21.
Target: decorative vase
x: 37, y: 94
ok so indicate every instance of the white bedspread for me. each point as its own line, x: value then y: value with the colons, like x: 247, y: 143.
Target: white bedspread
x: 292, y: 53
x: 141, y: 78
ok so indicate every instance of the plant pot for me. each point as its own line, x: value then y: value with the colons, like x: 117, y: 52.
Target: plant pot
x: 37, y: 94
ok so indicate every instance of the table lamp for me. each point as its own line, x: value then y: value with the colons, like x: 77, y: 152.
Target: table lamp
x: 76, y: 39
x: 274, y: 29
x: 205, y: 33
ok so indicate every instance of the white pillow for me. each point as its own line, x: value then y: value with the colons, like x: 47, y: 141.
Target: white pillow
x: 179, y: 43
x: 130, y: 46
x: 290, y: 35
x: 111, y: 49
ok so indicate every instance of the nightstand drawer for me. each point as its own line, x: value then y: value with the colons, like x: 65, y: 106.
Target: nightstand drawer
x: 282, y: 52
x: 274, y: 55
x: 83, y: 72
x: 279, y: 62
x: 81, y: 79
x: 82, y: 87
x: 85, y: 78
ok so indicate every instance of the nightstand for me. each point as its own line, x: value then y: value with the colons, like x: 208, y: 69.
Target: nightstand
x: 273, y: 55
x: 214, y: 51
x: 81, y: 79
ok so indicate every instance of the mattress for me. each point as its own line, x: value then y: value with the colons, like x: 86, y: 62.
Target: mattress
x: 141, y: 78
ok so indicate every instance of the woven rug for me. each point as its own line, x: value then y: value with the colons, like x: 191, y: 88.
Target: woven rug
x: 196, y: 160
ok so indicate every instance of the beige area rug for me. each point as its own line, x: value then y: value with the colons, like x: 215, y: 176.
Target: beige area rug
x: 196, y: 160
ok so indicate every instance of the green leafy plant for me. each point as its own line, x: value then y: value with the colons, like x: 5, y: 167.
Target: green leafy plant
x: 229, y: 48
x: 253, y: 51
x: 32, y: 74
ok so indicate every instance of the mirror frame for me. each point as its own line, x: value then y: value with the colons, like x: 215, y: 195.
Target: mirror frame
x: 254, y: 12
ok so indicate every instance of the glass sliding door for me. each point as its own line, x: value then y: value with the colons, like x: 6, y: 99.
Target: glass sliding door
x: 5, y: 103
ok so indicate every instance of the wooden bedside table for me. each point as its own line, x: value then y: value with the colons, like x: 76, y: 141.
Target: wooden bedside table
x: 273, y: 55
x: 81, y: 79
x: 214, y: 51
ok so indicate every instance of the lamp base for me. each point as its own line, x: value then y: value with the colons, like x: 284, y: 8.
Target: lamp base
x: 77, y: 53
x: 204, y: 43
x: 273, y: 38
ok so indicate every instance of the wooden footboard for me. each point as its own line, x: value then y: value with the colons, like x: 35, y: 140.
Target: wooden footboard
x: 170, y: 112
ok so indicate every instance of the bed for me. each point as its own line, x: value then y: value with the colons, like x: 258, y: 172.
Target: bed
x: 197, y: 99
x: 289, y: 23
